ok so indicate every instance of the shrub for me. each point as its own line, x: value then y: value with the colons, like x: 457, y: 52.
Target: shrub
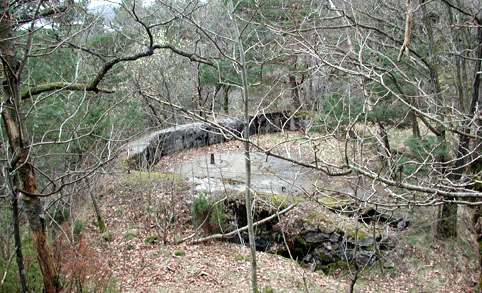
x: 428, y: 146
x: 209, y: 213
x: 78, y: 227
x: 82, y: 268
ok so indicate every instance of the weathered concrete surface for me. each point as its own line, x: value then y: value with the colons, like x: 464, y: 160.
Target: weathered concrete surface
x: 145, y: 152
x: 269, y: 175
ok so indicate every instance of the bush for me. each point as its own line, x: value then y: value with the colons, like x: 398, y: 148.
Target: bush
x: 209, y: 213
x: 78, y: 227
x: 180, y: 252
x: 82, y: 267
x: 428, y: 146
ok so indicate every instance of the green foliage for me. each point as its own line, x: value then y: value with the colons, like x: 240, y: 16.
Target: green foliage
x: 206, y: 210
x: 408, y: 166
x: 78, y: 227
x: 32, y: 270
x: 61, y: 216
x: 7, y: 246
x: 428, y: 146
x: 337, y: 110
x: 226, y: 72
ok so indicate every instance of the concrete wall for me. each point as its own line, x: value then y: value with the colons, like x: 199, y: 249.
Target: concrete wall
x: 145, y: 152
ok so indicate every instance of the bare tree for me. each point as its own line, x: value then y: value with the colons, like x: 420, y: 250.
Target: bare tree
x: 31, y: 32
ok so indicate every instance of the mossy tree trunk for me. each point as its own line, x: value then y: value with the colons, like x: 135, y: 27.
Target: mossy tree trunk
x: 31, y: 200
x: 16, y: 232
x: 226, y: 89
x: 98, y: 212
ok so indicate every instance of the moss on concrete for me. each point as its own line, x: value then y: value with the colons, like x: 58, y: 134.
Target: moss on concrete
x: 350, y: 233
x: 280, y: 200
x: 146, y: 179
x: 336, y: 202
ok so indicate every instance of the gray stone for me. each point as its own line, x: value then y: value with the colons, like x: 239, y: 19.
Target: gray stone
x: 324, y: 255
x: 365, y: 258
x: 365, y: 243
x: 386, y: 243
x: 308, y: 227
x: 402, y: 225
x: 335, y: 237
x: 316, y: 237
x: 307, y: 258
x: 269, y: 174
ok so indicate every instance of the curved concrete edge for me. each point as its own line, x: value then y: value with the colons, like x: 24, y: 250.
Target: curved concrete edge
x: 147, y: 151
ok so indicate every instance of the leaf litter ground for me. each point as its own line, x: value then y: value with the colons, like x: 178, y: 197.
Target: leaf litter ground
x: 139, y: 265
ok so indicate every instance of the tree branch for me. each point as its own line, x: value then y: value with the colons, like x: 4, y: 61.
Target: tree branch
x: 52, y: 86
x: 408, y: 29
x: 26, y: 18
x: 93, y: 86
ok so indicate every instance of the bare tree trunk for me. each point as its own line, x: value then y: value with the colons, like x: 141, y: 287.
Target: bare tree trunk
x: 248, y: 196
x: 447, y: 224
x: 414, y: 121
x: 476, y: 97
x: 295, y: 95
x: 226, y: 89
x: 294, y: 87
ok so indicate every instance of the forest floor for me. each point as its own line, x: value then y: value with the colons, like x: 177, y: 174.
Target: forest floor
x: 146, y: 214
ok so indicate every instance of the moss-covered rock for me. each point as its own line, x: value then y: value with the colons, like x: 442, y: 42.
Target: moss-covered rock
x: 352, y: 232
x: 334, y: 202
x: 179, y: 252
x: 151, y: 240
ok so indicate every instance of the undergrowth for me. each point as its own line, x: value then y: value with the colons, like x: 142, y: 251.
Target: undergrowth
x: 82, y: 268
x: 11, y: 282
